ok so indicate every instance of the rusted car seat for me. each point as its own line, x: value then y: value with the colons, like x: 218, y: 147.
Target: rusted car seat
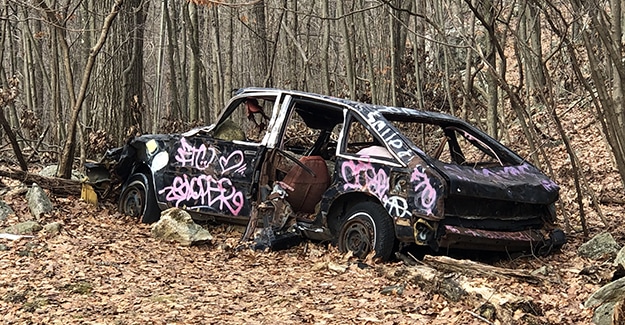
x: 308, y: 188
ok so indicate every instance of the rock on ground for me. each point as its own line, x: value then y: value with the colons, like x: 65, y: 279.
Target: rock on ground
x: 50, y: 171
x: 5, y: 211
x: 53, y: 228
x: 176, y: 224
x: 613, y: 291
x: 27, y: 227
x: 603, y: 314
x: 599, y: 246
x: 620, y: 258
x: 606, y: 298
x: 38, y: 201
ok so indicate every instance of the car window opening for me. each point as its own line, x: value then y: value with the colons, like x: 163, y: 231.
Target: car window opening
x: 309, y: 137
x: 362, y: 143
x: 451, y: 144
x: 247, y: 122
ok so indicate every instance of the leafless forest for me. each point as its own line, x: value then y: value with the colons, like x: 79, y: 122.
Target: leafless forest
x: 78, y: 77
x: 124, y: 67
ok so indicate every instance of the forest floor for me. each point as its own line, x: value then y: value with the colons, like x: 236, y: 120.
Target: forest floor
x: 104, y: 268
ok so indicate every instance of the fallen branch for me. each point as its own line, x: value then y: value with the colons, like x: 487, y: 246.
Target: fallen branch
x: 457, y: 287
x: 608, y: 200
x: 479, y: 317
x: 58, y: 186
x: 13, y: 237
x: 444, y: 263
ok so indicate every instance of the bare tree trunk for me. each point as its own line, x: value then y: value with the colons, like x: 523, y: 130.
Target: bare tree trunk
x: 7, y: 96
x: 159, y: 70
x: 132, y: 91
x: 257, y: 53
x: 467, y: 100
x: 57, y: 117
x: 218, y: 72
x: 40, y: 74
x: 27, y: 64
x: 291, y: 20
x: 347, y: 50
x: 172, y: 53
x: 398, y: 18
x: 610, y: 112
x: 229, y: 59
x: 492, y: 115
x: 325, y: 48
x: 534, y: 68
x: 393, y: 37
x: 59, y: 41
x: 191, y: 21
x: 65, y: 163
x: 419, y: 52
x: 442, y: 37
x: 617, y: 35
x: 371, y: 77
x: 183, y: 59
x: 4, y: 30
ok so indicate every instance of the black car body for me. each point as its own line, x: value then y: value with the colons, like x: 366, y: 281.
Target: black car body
x: 360, y: 175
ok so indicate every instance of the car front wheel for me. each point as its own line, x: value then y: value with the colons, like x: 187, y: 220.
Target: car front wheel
x: 138, y: 199
x: 367, y: 228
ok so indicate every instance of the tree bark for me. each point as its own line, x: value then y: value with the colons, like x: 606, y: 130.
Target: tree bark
x: 67, y: 156
x: 325, y: 48
x: 7, y: 96
x: 535, y: 68
x: 347, y: 50
x: 492, y: 115
x: 190, y: 18
x: 366, y: 48
x: 418, y: 52
x: 134, y: 12
x: 218, y: 69
x: 159, y: 70
x: 259, y: 49
x: 27, y: 64
x: 175, y: 111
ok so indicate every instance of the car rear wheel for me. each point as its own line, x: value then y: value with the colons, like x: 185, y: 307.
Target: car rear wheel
x: 367, y: 228
x: 138, y: 199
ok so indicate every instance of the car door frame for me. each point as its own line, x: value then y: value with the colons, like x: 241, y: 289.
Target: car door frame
x: 227, y: 173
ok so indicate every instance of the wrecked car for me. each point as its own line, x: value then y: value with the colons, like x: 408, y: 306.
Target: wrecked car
x: 368, y: 178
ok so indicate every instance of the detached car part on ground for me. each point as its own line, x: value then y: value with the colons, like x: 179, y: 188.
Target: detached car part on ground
x: 365, y: 177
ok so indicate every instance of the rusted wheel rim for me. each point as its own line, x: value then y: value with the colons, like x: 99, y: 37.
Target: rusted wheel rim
x: 358, y: 235
x: 134, y: 201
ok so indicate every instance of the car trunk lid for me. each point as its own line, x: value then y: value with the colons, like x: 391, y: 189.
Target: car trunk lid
x: 522, y: 183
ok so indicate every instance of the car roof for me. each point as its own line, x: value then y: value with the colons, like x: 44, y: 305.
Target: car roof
x: 388, y: 113
x: 359, y: 107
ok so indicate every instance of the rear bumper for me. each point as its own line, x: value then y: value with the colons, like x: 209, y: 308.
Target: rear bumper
x: 539, y: 241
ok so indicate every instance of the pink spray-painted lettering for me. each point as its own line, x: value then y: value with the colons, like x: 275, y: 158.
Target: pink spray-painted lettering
x: 425, y: 193
x: 499, y: 174
x: 205, y: 190
x: 197, y: 157
x: 363, y: 176
x: 549, y: 185
x: 211, y: 191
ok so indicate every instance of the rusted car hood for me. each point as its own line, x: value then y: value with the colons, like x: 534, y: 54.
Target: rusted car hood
x: 521, y: 183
